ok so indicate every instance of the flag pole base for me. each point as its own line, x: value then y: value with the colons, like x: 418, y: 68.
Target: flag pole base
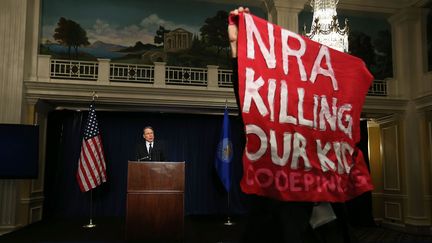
x: 89, y: 225
x: 228, y: 222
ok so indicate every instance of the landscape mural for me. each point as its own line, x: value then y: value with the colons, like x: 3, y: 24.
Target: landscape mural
x: 178, y: 32
x: 181, y: 33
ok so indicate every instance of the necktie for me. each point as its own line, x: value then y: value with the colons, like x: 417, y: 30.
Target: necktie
x: 150, y: 149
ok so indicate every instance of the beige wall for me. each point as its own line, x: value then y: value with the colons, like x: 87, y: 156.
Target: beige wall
x: 376, y: 170
x: 20, y: 200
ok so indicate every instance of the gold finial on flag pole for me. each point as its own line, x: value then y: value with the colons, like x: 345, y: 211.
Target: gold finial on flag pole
x: 94, y: 95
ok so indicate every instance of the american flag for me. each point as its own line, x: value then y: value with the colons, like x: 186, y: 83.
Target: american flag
x: 91, y: 164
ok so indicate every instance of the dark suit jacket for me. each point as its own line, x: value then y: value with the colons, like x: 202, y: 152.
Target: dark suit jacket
x: 157, y: 153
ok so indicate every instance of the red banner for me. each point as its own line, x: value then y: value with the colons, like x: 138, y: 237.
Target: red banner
x: 301, y: 103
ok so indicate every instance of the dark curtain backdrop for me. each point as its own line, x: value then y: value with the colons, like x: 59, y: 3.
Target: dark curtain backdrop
x: 187, y: 137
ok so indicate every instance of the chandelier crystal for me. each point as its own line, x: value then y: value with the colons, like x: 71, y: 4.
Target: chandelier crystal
x: 325, y: 25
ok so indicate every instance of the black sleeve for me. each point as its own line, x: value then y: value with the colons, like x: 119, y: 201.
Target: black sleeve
x: 135, y: 155
x: 138, y: 151
x: 235, y: 83
x: 237, y: 96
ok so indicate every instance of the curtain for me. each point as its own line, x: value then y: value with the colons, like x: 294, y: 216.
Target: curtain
x: 188, y: 137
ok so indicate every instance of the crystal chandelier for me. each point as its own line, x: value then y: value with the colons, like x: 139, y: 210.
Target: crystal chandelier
x: 325, y: 25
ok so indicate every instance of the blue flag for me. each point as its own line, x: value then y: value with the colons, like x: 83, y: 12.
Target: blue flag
x: 224, y: 153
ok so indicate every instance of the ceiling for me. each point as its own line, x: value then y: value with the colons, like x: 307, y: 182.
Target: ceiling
x: 374, y: 6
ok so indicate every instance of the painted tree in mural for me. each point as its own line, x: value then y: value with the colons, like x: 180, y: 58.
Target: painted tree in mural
x: 383, y: 58
x: 160, y: 34
x: 70, y: 34
x: 376, y: 53
x: 214, y: 32
x: 360, y: 45
x: 197, y: 44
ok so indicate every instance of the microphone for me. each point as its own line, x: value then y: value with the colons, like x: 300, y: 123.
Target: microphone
x: 145, y: 158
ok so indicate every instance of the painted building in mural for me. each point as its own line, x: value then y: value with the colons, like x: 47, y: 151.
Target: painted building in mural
x: 177, y: 40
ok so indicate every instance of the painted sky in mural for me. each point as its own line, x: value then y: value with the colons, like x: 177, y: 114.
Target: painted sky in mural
x: 112, y: 26
x: 121, y: 22
x: 125, y: 22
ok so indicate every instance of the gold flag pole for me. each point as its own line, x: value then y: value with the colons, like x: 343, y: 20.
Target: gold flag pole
x: 228, y: 221
x: 90, y: 224
x: 94, y: 95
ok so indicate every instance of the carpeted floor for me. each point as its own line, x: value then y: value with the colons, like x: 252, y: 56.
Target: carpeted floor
x: 382, y: 235
x: 199, y: 229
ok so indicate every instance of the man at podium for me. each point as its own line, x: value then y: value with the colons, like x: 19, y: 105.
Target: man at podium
x: 147, y: 149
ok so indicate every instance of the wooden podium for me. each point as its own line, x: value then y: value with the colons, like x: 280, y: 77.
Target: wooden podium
x: 155, y: 200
